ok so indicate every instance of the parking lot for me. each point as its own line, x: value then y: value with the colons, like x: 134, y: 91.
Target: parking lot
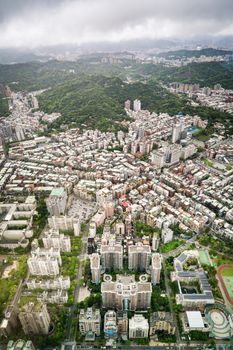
x: 81, y: 209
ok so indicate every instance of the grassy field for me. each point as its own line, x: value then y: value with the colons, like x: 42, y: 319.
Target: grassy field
x: 204, y: 258
x: 172, y: 245
x: 227, y: 276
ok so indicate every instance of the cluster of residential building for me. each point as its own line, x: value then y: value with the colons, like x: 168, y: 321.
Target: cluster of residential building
x: 216, y: 97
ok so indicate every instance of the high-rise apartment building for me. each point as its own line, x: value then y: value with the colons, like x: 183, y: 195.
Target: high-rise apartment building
x: 56, y: 203
x: 34, y: 318
x: 139, y: 256
x: 138, y: 327
x: 156, y: 265
x: 95, y: 268
x: 44, y: 262
x: 111, y: 257
x: 89, y: 321
x: 110, y: 324
x: 137, y: 105
x: 126, y: 294
x: 54, y: 239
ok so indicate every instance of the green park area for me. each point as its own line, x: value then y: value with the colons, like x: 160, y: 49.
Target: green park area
x: 172, y: 245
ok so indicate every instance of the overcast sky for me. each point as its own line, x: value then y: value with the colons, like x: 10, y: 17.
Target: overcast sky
x: 31, y: 23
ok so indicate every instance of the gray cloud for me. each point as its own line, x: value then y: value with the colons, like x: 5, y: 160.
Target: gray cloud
x: 46, y: 22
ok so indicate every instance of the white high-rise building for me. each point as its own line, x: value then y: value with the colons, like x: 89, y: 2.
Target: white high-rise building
x: 52, y: 239
x: 155, y: 242
x: 44, y: 262
x: 156, y: 265
x: 167, y: 235
x: 138, y: 327
x: 111, y: 257
x: 137, y: 105
x: 139, y: 257
x: 89, y: 321
x: 56, y: 203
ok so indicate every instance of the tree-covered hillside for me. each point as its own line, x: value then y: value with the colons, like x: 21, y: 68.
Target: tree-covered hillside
x: 35, y: 75
x: 99, y: 100
x: 205, y: 74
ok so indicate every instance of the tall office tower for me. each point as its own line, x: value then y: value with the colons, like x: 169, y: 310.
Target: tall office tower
x: 156, y: 265
x: 138, y: 327
x: 127, y: 104
x: 89, y: 321
x: 139, y: 256
x: 44, y: 262
x: 126, y: 294
x: 111, y: 257
x: 56, y: 203
x: 136, y: 105
x: 110, y: 324
x: 95, y: 268
x: 34, y: 318
x: 52, y: 239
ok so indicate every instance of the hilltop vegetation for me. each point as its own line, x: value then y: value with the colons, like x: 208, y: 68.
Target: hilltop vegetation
x: 99, y: 101
x: 205, y: 74
x: 35, y: 75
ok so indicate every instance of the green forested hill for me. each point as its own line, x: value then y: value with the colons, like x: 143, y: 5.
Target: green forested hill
x: 205, y: 74
x: 99, y: 100
x: 35, y: 75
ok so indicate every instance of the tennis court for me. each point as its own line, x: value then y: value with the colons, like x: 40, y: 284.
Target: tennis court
x: 204, y: 257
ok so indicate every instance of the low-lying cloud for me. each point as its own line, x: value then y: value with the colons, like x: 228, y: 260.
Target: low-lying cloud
x: 33, y: 23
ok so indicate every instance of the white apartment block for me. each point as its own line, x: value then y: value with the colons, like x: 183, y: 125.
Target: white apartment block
x: 54, y: 297
x: 136, y: 105
x: 56, y: 203
x: 64, y: 222
x: 49, y: 284
x: 111, y: 256
x: 89, y: 321
x: 44, y: 262
x: 139, y: 257
x: 138, y: 327
x: 52, y: 239
x: 167, y: 235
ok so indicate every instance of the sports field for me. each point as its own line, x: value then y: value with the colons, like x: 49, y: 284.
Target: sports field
x: 225, y: 274
x: 204, y: 257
